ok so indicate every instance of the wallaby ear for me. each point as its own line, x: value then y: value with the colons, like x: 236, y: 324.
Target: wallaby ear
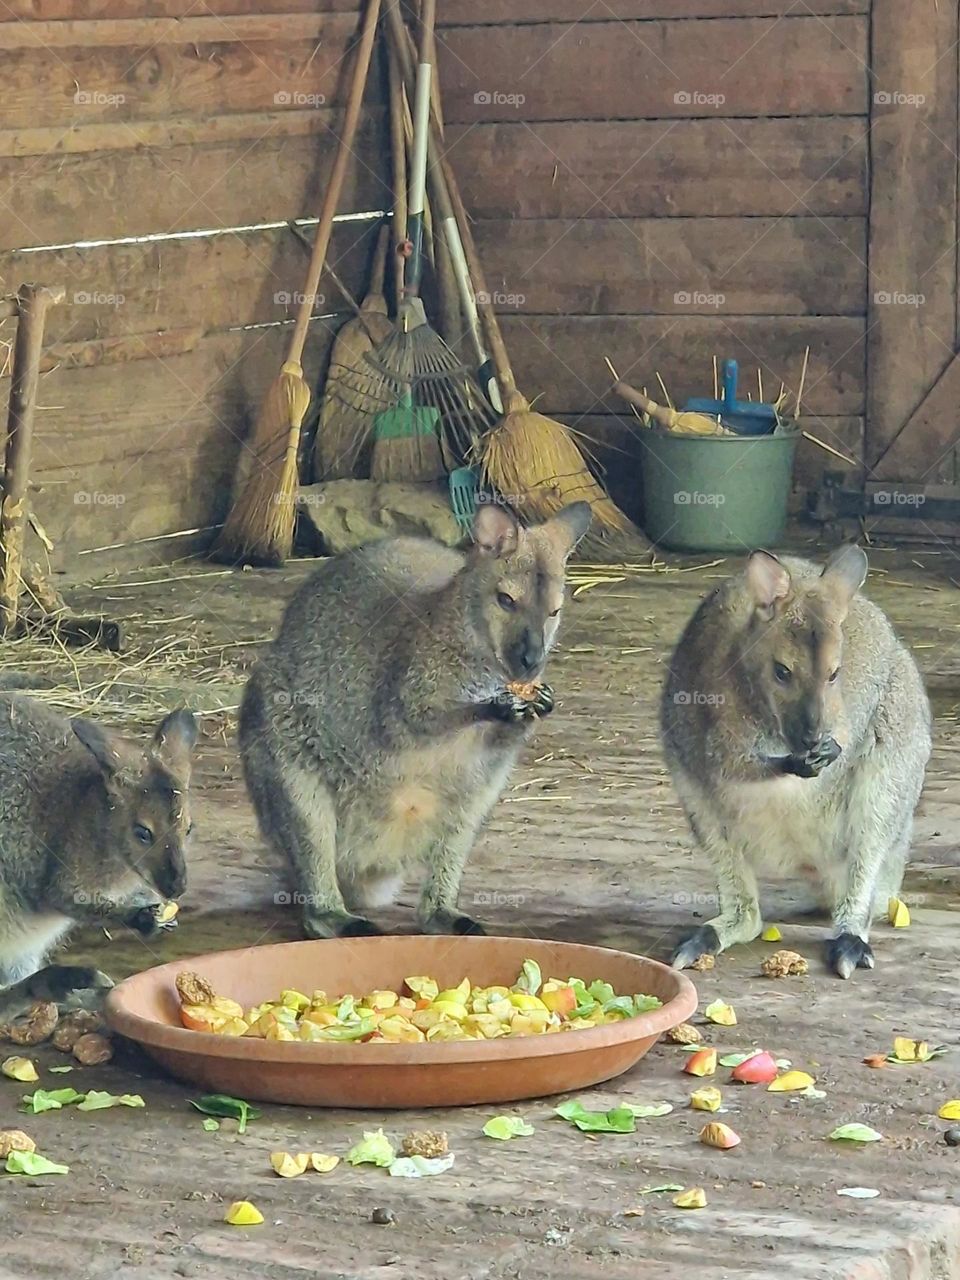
x: 101, y: 744
x: 767, y: 581
x: 174, y: 741
x: 496, y: 530
x: 845, y: 572
x: 566, y: 529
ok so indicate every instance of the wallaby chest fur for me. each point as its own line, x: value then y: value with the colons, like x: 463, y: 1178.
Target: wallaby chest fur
x: 733, y: 713
x: 365, y: 742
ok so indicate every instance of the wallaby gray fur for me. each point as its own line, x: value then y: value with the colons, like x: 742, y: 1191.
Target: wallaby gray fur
x: 92, y: 830
x: 377, y: 732
x: 797, y: 731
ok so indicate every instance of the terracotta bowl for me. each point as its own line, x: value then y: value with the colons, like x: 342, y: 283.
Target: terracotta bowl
x: 145, y: 1009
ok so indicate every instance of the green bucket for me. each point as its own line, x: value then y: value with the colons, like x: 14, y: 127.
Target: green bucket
x: 716, y: 493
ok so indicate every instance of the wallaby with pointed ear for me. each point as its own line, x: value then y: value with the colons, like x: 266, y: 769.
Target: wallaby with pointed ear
x: 378, y: 731
x: 92, y: 830
x: 797, y: 730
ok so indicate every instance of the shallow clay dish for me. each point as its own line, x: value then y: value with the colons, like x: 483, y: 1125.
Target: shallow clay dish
x: 145, y: 1009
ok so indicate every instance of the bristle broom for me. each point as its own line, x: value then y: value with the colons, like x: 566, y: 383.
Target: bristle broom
x: 259, y: 529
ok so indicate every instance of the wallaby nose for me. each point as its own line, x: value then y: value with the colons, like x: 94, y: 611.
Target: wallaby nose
x: 172, y: 880
x: 531, y: 653
x: 809, y: 738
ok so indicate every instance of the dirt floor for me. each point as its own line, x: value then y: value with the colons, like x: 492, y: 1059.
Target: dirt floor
x: 588, y: 845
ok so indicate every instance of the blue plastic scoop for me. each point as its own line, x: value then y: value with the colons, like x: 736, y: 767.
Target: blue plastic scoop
x: 745, y: 417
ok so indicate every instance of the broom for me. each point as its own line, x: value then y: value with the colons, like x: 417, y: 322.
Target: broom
x: 259, y: 528
x: 416, y: 362
x: 348, y: 410
x: 533, y: 461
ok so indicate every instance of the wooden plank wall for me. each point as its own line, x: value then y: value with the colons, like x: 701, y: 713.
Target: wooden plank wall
x: 661, y: 181
x: 160, y: 118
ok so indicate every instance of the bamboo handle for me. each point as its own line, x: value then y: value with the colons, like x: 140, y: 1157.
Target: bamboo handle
x: 32, y: 304
x: 379, y: 268
x: 666, y: 417
x: 334, y: 189
x: 398, y: 148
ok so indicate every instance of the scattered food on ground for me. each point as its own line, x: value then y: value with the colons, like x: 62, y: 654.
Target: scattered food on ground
x: 243, y: 1214
x: 784, y: 964
x: 703, y: 1062
x: 695, y: 1198
x: 722, y: 1014
x: 719, y: 1135
x: 683, y: 1033
x: 428, y: 1143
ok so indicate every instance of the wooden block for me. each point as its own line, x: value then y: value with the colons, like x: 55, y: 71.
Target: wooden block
x: 208, y: 282
x: 677, y: 266
x: 269, y: 176
x: 625, y: 70
x: 561, y: 359
x: 924, y: 448
x: 783, y: 167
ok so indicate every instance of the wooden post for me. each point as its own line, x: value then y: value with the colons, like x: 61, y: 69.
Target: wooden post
x: 32, y: 303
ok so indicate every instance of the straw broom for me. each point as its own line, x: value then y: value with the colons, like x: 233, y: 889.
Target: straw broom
x: 531, y: 460
x: 259, y: 528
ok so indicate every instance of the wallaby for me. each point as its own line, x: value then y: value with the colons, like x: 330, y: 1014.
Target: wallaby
x: 797, y: 731
x: 378, y: 730
x: 92, y: 829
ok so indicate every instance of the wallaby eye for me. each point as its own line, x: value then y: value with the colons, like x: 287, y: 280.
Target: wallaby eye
x: 190, y: 829
x: 506, y: 602
x: 554, y: 613
x: 832, y: 679
x: 783, y: 674
x: 143, y: 834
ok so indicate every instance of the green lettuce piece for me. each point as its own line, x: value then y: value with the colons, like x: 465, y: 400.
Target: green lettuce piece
x: 530, y: 980
x: 221, y: 1104
x: 664, y: 1186
x: 619, y: 1120
x: 504, y: 1127
x: 59, y: 1070
x: 98, y: 1100
x: 733, y: 1059
x: 643, y: 1004
x: 50, y: 1099
x: 374, y: 1149
x: 345, y: 1009
x: 855, y: 1133
x: 211, y: 1125
x: 619, y: 1004
x: 601, y: 991
x: 650, y: 1110
x: 33, y: 1165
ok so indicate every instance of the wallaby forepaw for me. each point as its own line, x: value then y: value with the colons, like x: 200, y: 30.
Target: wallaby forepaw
x: 444, y: 922
x: 848, y: 952
x: 703, y: 941
x: 339, y: 924
x: 71, y: 986
x: 543, y: 702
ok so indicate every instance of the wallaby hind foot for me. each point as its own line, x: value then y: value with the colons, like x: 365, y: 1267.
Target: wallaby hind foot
x: 443, y: 922
x: 848, y: 952
x: 338, y: 924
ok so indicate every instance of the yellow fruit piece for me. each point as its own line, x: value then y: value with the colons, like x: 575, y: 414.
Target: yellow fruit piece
x: 383, y: 999
x: 427, y: 1019
x: 694, y: 1198
x: 722, y: 1014
x: 280, y: 1032
x: 447, y: 1031
x: 456, y: 994
x: 322, y: 1163
x: 484, y: 1025
x: 450, y: 1009
x: 399, y: 1030
x: 719, y: 1135
x: 21, y: 1069
x: 287, y: 1165
x: 423, y: 988
x: 294, y: 1000
x: 907, y: 1050
x: 169, y: 911
x: 771, y: 934
x: 493, y: 993
x: 233, y: 1027
x: 708, y: 1099
x: 950, y: 1110
x: 898, y: 913
x: 790, y: 1081
x: 226, y: 1008
x: 520, y: 1000
x: 702, y: 1062
x: 243, y: 1214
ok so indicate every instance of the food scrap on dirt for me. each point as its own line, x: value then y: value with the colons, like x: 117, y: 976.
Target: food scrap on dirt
x: 704, y: 962
x: 425, y: 1142
x: 702, y: 1062
x: 758, y: 1068
x: 898, y: 913
x: 93, y: 1049
x: 683, y: 1033
x: 22, y: 1069
x: 36, y: 1025
x: 708, y: 1099
x: 15, y: 1140
x: 72, y: 1026
x: 784, y: 964
x: 722, y: 1014
x: 695, y: 1198
x: 719, y: 1135
x: 243, y: 1214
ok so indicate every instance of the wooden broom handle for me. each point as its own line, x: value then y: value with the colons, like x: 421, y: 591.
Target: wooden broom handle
x: 446, y: 183
x: 331, y: 198
x: 33, y: 300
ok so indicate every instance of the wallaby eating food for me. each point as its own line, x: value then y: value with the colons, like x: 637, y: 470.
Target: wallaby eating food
x: 379, y: 729
x: 797, y: 731
x: 92, y: 830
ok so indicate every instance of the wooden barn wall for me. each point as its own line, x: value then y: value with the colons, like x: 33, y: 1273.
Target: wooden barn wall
x: 131, y: 118
x: 662, y: 181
